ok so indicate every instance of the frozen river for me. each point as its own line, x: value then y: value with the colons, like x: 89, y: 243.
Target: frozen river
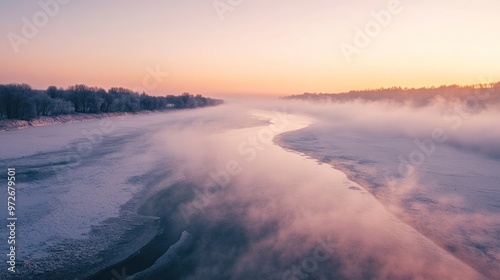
x: 219, y: 197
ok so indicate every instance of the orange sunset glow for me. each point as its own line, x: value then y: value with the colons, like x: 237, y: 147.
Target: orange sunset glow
x: 250, y: 47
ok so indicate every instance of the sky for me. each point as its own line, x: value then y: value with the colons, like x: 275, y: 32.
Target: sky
x: 243, y: 47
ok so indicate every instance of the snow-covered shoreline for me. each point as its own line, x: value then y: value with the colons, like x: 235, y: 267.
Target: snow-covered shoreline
x: 9, y: 124
x: 450, y: 200
x: 82, y: 205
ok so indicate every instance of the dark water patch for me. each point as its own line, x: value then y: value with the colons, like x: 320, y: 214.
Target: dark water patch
x: 164, y: 205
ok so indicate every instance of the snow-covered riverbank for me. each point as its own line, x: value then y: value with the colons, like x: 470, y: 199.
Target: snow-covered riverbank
x: 8, y: 124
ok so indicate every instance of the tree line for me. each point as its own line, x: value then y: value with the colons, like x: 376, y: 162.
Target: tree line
x: 20, y: 101
x: 488, y: 93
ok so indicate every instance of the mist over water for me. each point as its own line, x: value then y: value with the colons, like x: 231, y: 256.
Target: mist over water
x: 293, y: 190
x: 435, y: 167
x: 261, y: 211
